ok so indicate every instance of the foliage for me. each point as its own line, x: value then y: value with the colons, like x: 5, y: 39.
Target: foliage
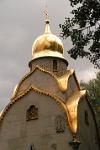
x: 84, y: 30
x: 93, y: 89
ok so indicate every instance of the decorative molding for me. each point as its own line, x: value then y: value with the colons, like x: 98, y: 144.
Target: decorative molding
x: 60, y: 124
x: 3, y: 113
x: 61, y: 103
x: 61, y: 81
x: 32, y: 113
x: 75, y: 143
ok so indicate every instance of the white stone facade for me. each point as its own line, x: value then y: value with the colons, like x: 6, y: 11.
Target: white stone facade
x: 17, y: 133
x: 50, y: 129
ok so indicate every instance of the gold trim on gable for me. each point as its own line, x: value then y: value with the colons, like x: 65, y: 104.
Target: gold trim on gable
x: 70, y: 106
x: 61, y: 81
x: 58, y: 100
x: 72, y: 109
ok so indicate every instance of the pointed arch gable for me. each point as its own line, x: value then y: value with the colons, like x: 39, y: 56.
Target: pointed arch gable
x: 60, y: 83
x: 8, y: 107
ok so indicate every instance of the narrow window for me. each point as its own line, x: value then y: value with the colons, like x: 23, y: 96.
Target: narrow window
x: 32, y: 113
x: 54, y: 65
x: 86, y: 118
x: 32, y: 147
x: 60, y: 124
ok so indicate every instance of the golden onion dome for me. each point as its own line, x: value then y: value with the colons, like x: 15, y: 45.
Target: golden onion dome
x: 47, y: 44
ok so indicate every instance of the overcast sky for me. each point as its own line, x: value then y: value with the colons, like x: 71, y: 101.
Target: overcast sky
x: 21, y: 21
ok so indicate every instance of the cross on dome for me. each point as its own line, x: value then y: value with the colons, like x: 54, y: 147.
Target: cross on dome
x: 46, y: 14
x: 47, y: 44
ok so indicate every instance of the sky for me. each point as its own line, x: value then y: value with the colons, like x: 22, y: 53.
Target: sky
x: 21, y: 22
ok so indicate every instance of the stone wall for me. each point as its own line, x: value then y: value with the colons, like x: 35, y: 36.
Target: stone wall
x: 44, y: 132
x: 87, y: 131
x: 47, y: 64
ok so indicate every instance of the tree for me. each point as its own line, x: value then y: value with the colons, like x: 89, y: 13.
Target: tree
x: 84, y: 30
x: 93, y: 89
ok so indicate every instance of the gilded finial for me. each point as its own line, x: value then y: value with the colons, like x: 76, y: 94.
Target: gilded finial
x: 47, y: 23
x: 46, y: 14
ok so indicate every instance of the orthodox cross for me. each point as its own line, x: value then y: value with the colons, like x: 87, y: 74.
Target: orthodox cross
x: 46, y: 14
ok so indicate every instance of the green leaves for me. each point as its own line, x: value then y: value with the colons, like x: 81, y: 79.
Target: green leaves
x: 75, y: 2
x: 93, y: 89
x: 84, y: 30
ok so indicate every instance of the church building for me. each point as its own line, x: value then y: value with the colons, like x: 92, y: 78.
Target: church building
x: 48, y: 110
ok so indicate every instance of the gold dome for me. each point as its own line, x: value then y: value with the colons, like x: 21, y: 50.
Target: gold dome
x: 47, y: 44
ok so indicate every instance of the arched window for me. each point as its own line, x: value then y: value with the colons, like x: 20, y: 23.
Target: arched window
x: 60, y: 124
x: 86, y: 118
x: 32, y: 113
x: 54, y: 65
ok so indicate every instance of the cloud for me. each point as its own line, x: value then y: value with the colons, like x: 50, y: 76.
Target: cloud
x: 21, y: 21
